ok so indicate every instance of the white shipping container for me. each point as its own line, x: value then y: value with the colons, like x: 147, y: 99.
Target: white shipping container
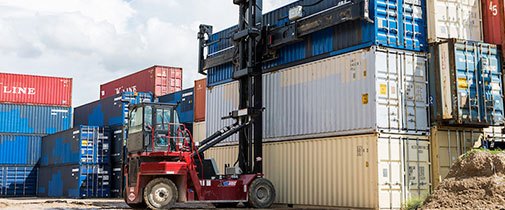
x: 461, y: 19
x: 373, y: 171
x: 199, y: 133
x: 366, y: 91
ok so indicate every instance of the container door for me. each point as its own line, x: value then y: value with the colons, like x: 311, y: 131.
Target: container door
x: 414, y: 93
x: 413, y: 23
x: 388, y: 100
x: 447, y: 145
x: 388, y: 25
x: 455, y: 19
x: 491, y: 82
x: 390, y: 172
x: 417, y: 167
x: 467, y: 82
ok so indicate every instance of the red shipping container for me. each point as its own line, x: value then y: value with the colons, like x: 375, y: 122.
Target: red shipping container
x: 493, y: 18
x: 35, y: 90
x: 159, y: 80
x: 199, y: 100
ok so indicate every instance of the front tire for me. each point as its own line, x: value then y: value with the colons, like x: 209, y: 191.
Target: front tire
x: 261, y: 193
x: 160, y: 193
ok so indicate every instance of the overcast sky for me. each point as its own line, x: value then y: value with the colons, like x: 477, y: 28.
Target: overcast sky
x: 95, y: 41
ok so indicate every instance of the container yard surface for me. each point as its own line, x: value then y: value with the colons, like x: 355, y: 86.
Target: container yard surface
x: 44, y: 203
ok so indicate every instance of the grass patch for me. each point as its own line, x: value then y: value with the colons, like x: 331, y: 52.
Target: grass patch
x: 493, y: 152
x: 414, y: 203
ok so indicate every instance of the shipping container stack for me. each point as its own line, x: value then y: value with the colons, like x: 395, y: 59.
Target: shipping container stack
x: 199, y: 129
x: 466, y: 84
x: 111, y: 111
x: 184, y: 100
x: 30, y: 108
x: 76, y: 164
x: 346, y: 107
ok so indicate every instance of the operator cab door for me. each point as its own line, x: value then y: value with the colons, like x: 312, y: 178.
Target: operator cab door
x: 153, y: 128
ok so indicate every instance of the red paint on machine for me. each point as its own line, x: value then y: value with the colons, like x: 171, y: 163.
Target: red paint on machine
x: 160, y: 80
x: 493, y: 18
x: 35, y: 90
x: 199, y: 101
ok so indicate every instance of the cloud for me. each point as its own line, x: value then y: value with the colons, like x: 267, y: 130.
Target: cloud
x: 95, y: 41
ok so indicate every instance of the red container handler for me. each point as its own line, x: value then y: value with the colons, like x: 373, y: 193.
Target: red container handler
x: 493, y: 18
x: 199, y: 99
x: 160, y: 80
x: 35, y: 90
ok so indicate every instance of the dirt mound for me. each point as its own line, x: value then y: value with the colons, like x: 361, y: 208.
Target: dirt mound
x: 476, y: 181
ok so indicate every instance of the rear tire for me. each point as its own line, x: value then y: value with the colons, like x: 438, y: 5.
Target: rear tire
x: 261, y: 193
x: 160, y: 193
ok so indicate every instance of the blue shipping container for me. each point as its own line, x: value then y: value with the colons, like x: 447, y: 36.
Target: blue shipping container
x: 397, y: 24
x: 19, y: 149
x: 109, y: 111
x: 74, y: 181
x: 466, y: 83
x: 185, y: 99
x: 82, y: 145
x: 18, y: 180
x: 34, y: 119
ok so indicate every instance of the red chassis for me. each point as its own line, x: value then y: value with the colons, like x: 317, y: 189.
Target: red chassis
x: 189, y: 186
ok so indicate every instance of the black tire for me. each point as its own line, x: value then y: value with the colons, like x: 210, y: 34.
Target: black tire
x: 160, y: 193
x: 261, y: 193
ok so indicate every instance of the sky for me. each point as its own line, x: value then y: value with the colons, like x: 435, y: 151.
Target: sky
x: 96, y: 41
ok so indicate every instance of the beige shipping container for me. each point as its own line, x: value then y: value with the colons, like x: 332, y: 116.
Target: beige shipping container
x: 447, y: 144
x: 199, y: 133
x: 375, y: 171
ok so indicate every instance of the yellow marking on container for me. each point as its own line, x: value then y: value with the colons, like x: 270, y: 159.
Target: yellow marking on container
x: 383, y: 89
x: 462, y: 83
x: 364, y: 98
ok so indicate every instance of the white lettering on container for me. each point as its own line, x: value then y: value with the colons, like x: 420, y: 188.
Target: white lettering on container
x: 19, y: 90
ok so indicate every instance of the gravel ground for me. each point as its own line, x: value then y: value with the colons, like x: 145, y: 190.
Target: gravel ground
x: 43, y: 203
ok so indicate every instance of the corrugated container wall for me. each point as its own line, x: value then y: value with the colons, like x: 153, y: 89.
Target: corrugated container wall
x: 495, y: 137
x: 19, y: 149
x: 74, y: 181
x: 493, y: 19
x: 159, y: 80
x: 34, y: 119
x: 199, y: 133
x: 361, y: 171
x: 35, y: 90
x: 387, y: 26
x: 18, y: 180
x: 185, y: 99
x: 108, y: 111
x: 82, y: 145
x: 380, y: 89
x: 199, y: 107
x: 466, y: 83
x: 454, y: 19
x: 448, y: 143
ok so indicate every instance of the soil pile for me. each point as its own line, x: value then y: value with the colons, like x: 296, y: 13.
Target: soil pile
x: 476, y: 181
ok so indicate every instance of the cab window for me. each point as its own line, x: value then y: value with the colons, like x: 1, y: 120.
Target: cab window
x: 136, y: 120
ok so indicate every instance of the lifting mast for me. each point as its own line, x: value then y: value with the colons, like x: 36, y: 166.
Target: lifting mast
x: 247, y: 70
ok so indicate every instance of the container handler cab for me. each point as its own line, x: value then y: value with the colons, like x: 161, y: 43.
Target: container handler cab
x: 164, y: 166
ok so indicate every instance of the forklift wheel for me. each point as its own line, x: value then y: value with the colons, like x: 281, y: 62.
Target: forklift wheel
x: 261, y: 193
x: 160, y: 193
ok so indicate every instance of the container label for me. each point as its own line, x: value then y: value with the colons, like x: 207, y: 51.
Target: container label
x: 383, y: 89
x: 462, y: 83
x: 364, y: 98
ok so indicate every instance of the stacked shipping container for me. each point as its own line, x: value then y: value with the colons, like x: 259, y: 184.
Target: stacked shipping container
x: 159, y: 80
x: 30, y: 108
x: 75, y: 163
x: 354, y: 94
